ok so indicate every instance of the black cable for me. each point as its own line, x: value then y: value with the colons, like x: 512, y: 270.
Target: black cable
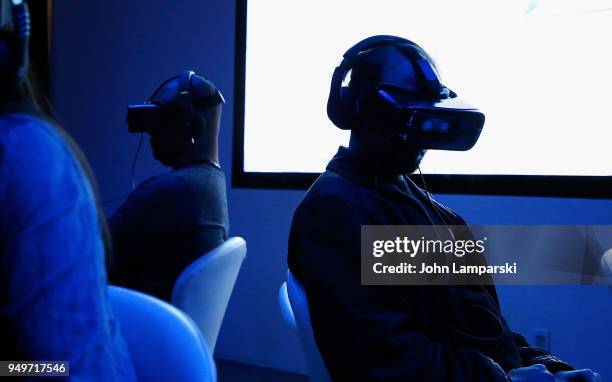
x: 161, y: 86
x: 433, y: 206
x: 133, y: 169
x: 132, y: 172
x: 480, y: 286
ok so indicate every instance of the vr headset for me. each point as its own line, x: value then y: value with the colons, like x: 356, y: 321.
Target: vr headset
x: 151, y: 115
x: 144, y: 117
x: 14, y: 54
x: 447, y: 124
x: 434, y: 119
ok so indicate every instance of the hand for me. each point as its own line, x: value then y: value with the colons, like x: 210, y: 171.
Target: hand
x: 584, y: 375
x: 533, y: 373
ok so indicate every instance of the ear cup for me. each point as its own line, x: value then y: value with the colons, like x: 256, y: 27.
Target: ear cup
x: 186, y: 101
x: 336, y: 111
x: 349, y: 105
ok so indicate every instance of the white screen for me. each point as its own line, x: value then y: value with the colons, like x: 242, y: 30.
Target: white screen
x: 541, y: 71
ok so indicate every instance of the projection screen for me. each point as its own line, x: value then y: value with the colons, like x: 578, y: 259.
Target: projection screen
x: 539, y: 70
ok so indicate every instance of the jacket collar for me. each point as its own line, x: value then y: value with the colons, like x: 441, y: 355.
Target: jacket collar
x: 360, y: 170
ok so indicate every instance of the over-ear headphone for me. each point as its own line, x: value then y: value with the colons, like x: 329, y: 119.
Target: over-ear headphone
x: 184, y: 116
x: 14, y: 54
x: 341, y: 104
x: 185, y: 99
x: 154, y: 114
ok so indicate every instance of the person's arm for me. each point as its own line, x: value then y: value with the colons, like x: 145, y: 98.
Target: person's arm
x: 532, y: 355
x: 562, y: 371
x: 367, y: 333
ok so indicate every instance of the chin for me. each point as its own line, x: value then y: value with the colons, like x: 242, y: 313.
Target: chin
x: 161, y: 159
x: 408, y: 161
x: 408, y: 168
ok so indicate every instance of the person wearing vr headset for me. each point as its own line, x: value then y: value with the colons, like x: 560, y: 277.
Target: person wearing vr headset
x: 53, y: 291
x: 170, y: 220
x: 397, y: 108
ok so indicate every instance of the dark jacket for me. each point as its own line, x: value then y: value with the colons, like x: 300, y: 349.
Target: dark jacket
x: 165, y: 224
x: 392, y: 333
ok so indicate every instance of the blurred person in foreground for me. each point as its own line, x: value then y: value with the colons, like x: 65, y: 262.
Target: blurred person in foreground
x: 53, y: 289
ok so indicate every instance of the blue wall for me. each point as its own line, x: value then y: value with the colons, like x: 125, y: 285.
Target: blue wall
x: 106, y: 54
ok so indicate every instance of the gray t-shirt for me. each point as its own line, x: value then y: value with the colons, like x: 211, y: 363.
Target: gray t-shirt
x: 165, y: 224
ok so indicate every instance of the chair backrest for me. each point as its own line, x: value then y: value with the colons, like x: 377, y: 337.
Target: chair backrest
x: 164, y: 343
x: 317, y: 371
x: 285, y: 307
x: 204, y: 288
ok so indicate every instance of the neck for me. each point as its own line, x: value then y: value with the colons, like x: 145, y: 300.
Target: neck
x: 202, y: 150
x: 362, y: 149
x: 210, y: 151
x: 205, y: 147
x: 376, y: 155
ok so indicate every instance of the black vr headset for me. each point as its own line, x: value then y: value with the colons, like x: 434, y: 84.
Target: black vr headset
x: 153, y: 115
x: 13, y: 45
x: 434, y: 119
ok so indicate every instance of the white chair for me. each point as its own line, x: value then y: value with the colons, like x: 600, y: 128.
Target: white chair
x: 204, y: 288
x: 294, y: 308
x: 164, y: 343
x: 285, y: 307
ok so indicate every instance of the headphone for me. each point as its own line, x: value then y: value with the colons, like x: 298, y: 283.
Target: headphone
x: 342, y: 107
x: 185, y: 102
x: 185, y: 97
x: 14, y: 54
x: 152, y: 115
